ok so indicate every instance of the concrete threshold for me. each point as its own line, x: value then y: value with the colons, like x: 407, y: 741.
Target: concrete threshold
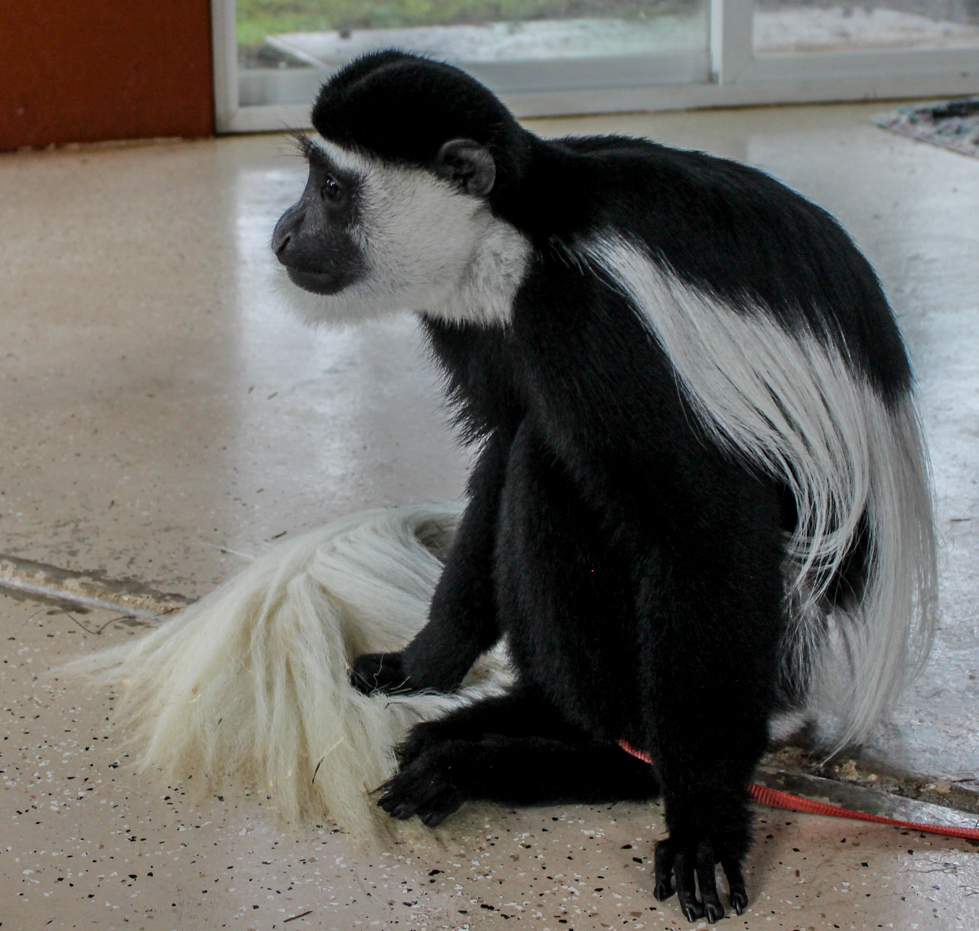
x: 86, y: 589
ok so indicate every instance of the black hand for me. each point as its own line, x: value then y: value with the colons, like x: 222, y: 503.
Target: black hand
x: 692, y: 864
x: 425, y: 787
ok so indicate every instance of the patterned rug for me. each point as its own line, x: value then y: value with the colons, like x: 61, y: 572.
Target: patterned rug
x: 952, y: 124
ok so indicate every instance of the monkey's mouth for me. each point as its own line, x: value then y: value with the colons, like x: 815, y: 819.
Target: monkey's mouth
x: 319, y: 282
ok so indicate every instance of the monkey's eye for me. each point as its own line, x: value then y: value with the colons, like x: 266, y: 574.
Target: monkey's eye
x: 330, y: 189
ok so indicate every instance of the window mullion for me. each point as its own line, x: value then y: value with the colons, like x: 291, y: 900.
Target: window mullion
x: 731, y: 41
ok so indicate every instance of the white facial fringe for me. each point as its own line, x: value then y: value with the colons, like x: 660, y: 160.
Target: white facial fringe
x: 428, y: 248
x: 252, y: 682
x: 790, y: 405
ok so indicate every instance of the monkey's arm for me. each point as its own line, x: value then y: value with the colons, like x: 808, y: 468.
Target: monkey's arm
x: 462, y: 618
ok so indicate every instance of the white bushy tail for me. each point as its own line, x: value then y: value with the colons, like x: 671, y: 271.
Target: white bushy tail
x: 252, y: 682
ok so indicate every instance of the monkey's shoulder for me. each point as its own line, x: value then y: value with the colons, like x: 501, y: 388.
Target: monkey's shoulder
x: 726, y: 230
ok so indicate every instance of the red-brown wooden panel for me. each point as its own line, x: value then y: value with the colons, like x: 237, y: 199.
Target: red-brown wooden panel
x: 91, y: 70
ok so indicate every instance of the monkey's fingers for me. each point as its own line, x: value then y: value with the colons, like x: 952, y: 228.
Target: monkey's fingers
x: 735, y: 882
x: 693, y: 866
x: 673, y: 862
x: 420, y: 789
x: 707, y: 879
x: 684, y: 872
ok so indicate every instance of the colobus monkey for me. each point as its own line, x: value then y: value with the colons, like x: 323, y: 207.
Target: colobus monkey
x: 700, y: 505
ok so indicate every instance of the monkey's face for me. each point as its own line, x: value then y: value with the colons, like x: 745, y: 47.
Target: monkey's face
x: 315, y: 239
x: 371, y: 237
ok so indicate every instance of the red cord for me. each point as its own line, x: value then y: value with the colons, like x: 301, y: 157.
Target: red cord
x: 790, y: 802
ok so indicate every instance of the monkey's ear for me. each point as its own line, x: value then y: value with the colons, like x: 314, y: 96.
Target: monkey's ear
x: 468, y: 165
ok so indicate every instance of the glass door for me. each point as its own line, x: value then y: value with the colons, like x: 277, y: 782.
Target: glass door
x: 548, y: 57
x: 801, y: 26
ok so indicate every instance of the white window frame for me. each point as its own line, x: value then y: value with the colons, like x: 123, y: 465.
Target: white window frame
x: 729, y: 75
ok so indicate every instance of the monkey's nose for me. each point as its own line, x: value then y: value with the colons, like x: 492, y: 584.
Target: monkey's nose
x: 282, y: 238
x: 284, y: 232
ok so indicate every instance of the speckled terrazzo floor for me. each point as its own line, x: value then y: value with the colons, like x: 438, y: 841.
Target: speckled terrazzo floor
x: 161, y: 416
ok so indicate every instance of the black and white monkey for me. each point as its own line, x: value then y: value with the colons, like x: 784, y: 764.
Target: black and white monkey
x: 700, y: 506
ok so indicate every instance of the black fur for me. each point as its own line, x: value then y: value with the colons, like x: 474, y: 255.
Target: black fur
x: 633, y: 566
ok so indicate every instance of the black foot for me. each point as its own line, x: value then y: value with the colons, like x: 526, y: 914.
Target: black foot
x: 692, y: 865
x: 424, y: 788
x: 380, y: 672
x: 424, y: 737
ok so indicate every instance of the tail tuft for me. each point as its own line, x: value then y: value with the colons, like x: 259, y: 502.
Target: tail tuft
x: 252, y: 682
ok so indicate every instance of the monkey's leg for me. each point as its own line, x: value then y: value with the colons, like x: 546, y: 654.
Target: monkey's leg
x: 515, y: 771
x: 462, y: 621
x: 521, y: 712
x: 514, y: 749
x: 710, y: 613
x: 663, y: 631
